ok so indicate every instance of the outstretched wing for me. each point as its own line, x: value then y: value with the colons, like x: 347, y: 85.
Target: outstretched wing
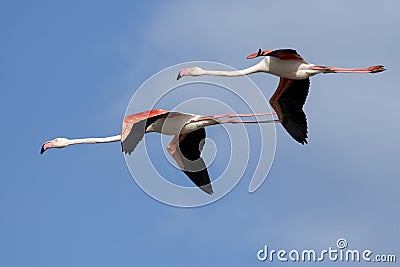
x: 185, y: 149
x: 134, y: 127
x: 288, y: 101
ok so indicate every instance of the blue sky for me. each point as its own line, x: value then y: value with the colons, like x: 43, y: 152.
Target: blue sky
x: 70, y: 69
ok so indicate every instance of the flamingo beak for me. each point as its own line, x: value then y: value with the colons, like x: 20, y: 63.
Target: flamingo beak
x: 259, y: 53
x: 179, y: 76
x: 47, y: 145
x: 182, y: 73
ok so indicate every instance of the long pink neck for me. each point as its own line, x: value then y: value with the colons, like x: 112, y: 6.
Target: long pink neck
x: 256, y: 68
x: 95, y: 140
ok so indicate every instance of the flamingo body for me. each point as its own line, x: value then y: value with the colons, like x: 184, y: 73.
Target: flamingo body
x: 288, y: 68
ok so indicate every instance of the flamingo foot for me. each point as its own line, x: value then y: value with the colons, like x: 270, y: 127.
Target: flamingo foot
x: 376, y: 69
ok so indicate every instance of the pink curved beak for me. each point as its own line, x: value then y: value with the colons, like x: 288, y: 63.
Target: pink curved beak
x: 182, y: 73
x: 259, y: 54
x: 47, y: 145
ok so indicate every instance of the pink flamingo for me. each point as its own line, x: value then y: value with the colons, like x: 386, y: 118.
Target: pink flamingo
x: 291, y: 93
x: 185, y: 147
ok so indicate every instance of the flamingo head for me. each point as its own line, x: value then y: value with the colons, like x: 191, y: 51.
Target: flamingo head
x: 195, y: 71
x: 55, y: 143
x: 260, y: 53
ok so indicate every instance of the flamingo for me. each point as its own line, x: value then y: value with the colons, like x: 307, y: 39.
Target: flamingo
x: 185, y: 147
x: 291, y: 94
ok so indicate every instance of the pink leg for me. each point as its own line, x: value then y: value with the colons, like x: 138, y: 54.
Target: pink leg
x: 232, y: 115
x: 372, y: 69
x: 240, y: 121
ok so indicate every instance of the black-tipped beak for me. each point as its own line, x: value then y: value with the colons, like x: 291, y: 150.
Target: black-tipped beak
x: 45, y: 146
x: 179, y: 76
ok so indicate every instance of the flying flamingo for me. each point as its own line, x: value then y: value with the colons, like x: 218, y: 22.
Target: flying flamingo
x: 291, y: 93
x: 185, y: 147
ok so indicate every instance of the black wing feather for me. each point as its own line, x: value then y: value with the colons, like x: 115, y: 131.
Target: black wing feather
x: 190, y: 148
x: 291, y: 104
